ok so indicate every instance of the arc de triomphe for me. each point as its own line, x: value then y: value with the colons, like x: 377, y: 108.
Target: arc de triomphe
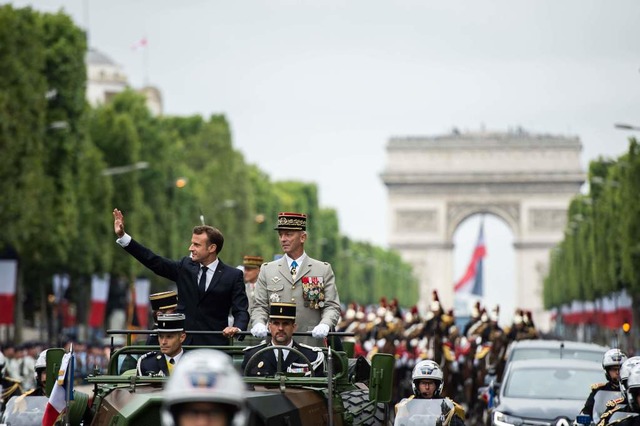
x: 434, y: 183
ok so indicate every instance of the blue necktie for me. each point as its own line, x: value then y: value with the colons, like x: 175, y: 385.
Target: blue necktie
x: 294, y: 265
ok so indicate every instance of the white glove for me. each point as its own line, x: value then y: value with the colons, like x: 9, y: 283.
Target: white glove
x: 259, y: 330
x: 320, y: 331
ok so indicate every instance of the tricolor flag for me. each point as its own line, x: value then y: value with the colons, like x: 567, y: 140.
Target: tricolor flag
x: 8, y: 278
x: 140, y: 44
x: 471, y: 282
x: 62, y: 391
x: 99, y: 294
x: 139, y: 304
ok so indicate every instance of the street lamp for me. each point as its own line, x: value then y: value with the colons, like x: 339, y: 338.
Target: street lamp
x: 623, y: 126
x: 125, y: 169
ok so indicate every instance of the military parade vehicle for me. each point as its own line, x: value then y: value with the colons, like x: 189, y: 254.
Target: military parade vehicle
x: 353, y: 392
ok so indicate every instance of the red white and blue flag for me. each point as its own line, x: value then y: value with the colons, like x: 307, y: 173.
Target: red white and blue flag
x: 472, y: 281
x: 62, y: 391
x: 8, y: 279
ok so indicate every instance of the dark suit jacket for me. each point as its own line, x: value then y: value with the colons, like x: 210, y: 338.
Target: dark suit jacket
x: 210, y: 311
x: 267, y: 363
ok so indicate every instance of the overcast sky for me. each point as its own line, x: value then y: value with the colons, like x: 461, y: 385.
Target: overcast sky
x: 314, y: 89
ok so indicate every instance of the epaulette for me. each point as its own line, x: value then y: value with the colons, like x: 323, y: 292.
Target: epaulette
x: 459, y: 410
x: 597, y: 386
x: 403, y: 402
x: 313, y: 348
x: 12, y: 380
x: 248, y: 348
x: 448, y: 353
x: 147, y: 355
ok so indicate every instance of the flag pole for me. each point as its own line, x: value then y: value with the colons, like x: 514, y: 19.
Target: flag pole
x: 69, y: 390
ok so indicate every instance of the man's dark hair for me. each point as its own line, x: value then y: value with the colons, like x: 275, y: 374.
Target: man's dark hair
x: 214, y: 236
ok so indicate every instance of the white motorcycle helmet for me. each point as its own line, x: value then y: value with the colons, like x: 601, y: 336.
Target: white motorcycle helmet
x: 203, y: 375
x: 427, y: 369
x: 612, y: 358
x: 633, y: 387
x: 625, y: 371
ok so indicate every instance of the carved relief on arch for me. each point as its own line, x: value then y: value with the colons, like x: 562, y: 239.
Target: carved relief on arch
x: 416, y: 221
x: 457, y: 212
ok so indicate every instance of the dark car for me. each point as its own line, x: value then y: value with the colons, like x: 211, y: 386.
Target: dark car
x: 538, y: 349
x: 544, y: 392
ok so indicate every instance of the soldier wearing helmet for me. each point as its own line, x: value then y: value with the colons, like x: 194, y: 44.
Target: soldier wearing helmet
x: 611, y: 362
x: 171, y: 335
x: 427, y: 381
x: 205, y: 389
x: 40, y: 375
x: 620, y: 404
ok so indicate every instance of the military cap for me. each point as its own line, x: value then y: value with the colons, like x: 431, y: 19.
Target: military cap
x: 164, y: 300
x: 279, y: 310
x: 291, y: 222
x: 170, y: 323
x: 252, y: 261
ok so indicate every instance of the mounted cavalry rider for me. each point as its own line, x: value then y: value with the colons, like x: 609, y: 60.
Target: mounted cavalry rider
x: 171, y: 335
x: 282, y: 325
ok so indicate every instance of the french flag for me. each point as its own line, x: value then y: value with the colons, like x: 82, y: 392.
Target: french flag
x: 140, y: 44
x: 471, y: 282
x: 99, y: 294
x: 8, y: 278
x: 62, y: 390
x: 139, y: 306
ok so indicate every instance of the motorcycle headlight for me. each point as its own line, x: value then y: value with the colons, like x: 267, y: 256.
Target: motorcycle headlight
x: 502, y: 419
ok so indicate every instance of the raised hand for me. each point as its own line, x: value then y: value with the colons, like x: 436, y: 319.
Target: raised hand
x: 118, y: 223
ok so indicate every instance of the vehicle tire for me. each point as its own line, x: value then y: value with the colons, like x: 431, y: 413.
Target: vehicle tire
x: 354, y: 400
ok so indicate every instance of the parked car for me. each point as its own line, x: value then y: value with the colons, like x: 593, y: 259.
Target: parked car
x: 537, y: 349
x: 544, y: 392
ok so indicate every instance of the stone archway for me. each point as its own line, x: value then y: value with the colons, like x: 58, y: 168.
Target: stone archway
x: 434, y: 183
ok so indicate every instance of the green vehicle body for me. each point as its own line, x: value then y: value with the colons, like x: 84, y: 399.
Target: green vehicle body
x: 121, y: 398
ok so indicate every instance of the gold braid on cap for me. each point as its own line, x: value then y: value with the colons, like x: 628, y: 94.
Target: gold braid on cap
x: 287, y: 221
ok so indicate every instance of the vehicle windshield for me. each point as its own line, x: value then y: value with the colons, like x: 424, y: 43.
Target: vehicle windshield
x: 551, y: 383
x: 545, y: 353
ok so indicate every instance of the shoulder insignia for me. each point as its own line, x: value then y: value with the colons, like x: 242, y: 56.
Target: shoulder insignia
x: 611, y: 403
x: 597, y: 386
x: 313, y: 348
x: 248, y: 348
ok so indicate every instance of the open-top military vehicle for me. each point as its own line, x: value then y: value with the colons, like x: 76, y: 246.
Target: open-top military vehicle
x: 353, y: 392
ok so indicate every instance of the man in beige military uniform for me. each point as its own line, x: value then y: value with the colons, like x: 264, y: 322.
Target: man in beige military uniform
x: 297, y: 278
x: 251, y: 269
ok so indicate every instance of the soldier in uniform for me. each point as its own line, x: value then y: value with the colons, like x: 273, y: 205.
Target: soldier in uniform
x: 427, y: 381
x: 165, y: 302
x: 297, y: 278
x: 8, y: 386
x: 611, y: 362
x: 40, y: 375
x: 251, y: 265
x: 171, y: 335
x: 282, y: 325
x: 620, y: 404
